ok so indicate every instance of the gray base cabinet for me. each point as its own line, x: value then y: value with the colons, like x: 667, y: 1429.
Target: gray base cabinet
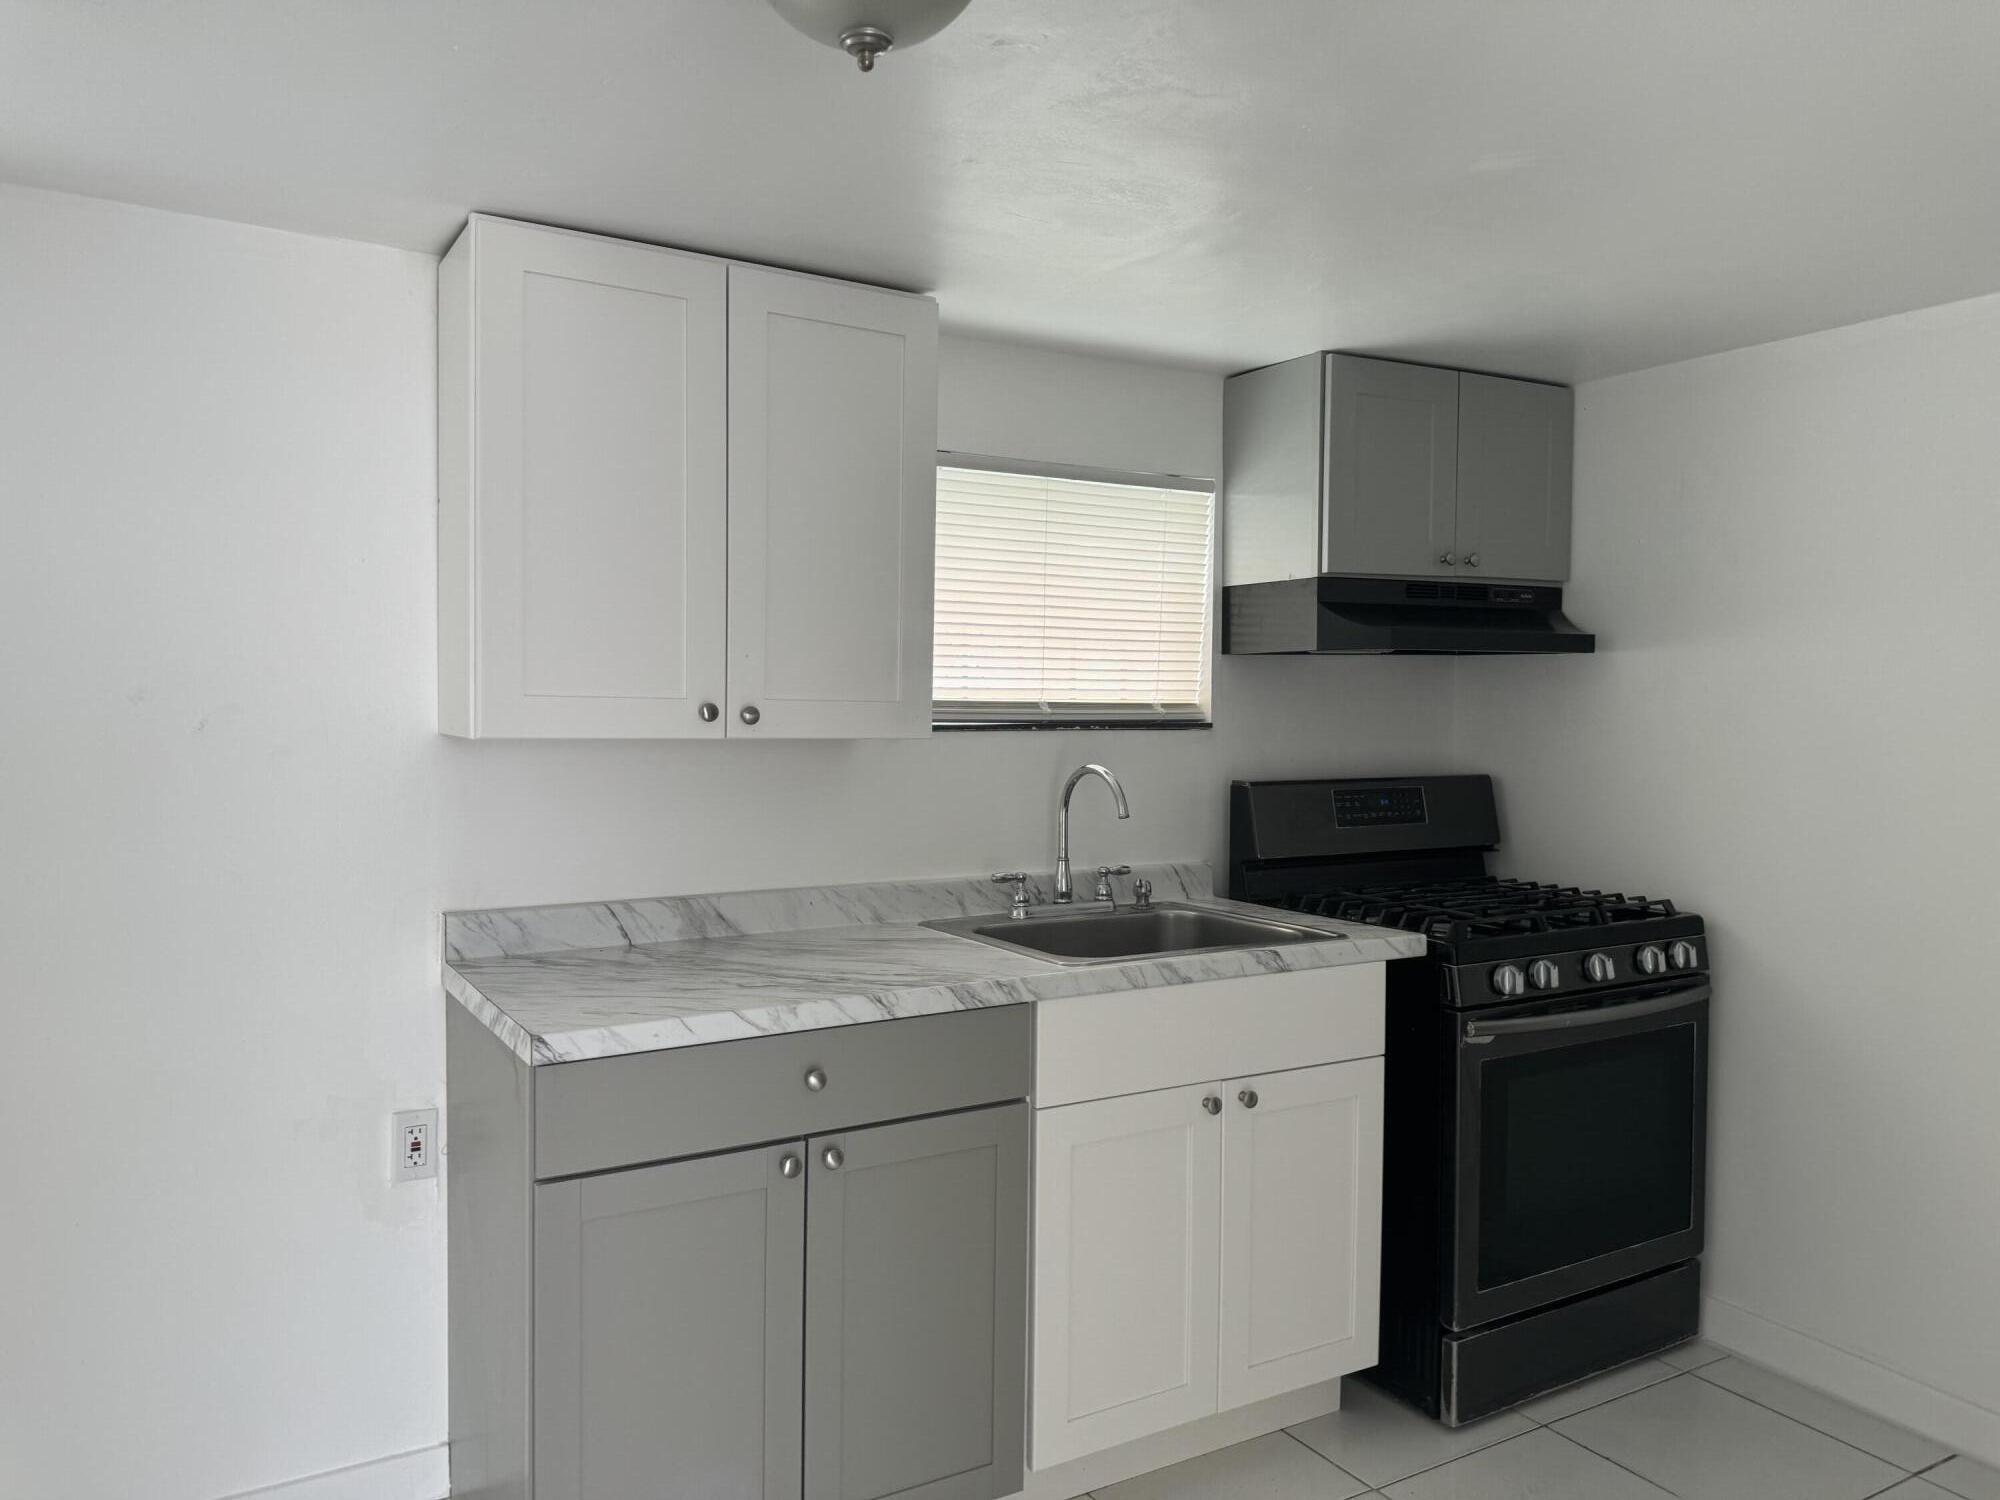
x: 916, y: 1309
x: 669, y: 1331
x: 838, y: 1312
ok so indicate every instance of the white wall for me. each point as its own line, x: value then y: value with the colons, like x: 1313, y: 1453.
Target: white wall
x: 1789, y: 551
x: 229, y: 825
x: 221, y: 852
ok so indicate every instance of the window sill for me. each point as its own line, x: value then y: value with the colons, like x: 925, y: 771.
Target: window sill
x: 982, y: 725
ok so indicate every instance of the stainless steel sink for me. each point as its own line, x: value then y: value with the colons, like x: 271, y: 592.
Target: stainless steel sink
x: 1106, y: 936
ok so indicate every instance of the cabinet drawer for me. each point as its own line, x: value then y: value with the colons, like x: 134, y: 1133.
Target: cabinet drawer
x: 653, y: 1106
x: 1095, y: 1046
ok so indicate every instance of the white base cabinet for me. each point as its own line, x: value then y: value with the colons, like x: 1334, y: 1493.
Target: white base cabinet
x: 679, y: 498
x: 1209, y: 1245
x: 1301, y: 1229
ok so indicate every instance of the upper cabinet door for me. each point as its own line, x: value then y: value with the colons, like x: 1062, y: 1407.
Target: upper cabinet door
x: 1301, y: 1228
x: 917, y: 1309
x: 1391, y: 468
x: 669, y: 1330
x: 1514, y: 442
x: 582, y: 486
x: 832, y: 496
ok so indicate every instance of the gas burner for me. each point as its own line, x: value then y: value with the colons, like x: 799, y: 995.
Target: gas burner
x: 1490, y: 906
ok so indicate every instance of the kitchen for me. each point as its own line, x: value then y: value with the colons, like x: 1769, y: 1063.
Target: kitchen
x: 232, y: 794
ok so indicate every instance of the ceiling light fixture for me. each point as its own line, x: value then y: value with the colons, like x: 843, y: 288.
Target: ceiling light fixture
x: 865, y: 29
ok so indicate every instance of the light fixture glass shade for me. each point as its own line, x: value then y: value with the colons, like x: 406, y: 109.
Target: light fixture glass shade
x: 867, y: 28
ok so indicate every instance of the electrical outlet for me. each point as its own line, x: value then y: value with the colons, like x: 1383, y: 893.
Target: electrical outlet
x: 413, y: 1145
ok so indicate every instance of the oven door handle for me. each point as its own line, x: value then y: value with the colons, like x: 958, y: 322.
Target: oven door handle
x: 1481, y: 1033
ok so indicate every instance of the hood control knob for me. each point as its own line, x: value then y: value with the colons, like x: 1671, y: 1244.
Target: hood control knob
x: 1543, y: 974
x: 1509, y: 980
x: 1650, y: 960
x: 1600, y: 968
x: 1683, y: 955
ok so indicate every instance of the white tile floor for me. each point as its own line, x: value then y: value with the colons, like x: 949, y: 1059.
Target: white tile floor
x: 1697, y: 1423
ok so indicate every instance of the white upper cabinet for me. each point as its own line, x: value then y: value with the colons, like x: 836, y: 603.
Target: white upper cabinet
x: 832, y: 500
x: 678, y: 498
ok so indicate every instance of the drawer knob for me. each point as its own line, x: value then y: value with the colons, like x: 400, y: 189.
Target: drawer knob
x: 815, y: 1079
x: 833, y: 1157
x: 788, y: 1166
x: 709, y: 713
x: 1248, y: 1098
x: 1212, y: 1104
x: 749, y: 714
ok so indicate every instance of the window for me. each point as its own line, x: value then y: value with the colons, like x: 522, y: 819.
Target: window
x: 1068, y: 596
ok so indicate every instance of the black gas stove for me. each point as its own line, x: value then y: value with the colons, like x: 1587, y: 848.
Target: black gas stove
x: 1545, y: 1088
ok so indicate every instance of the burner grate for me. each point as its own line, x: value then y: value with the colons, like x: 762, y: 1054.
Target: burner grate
x: 1456, y: 911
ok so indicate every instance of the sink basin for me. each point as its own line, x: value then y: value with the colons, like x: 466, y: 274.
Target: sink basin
x: 1106, y: 936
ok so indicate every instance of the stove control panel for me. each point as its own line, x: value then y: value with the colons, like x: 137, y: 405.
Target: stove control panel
x: 1377, y: 806
x: 1578, y: 970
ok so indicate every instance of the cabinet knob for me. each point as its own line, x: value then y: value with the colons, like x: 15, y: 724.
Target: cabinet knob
x: 1248, y: 1098
x: 1472, y: 559
x: 833, y: 1156
x: 749, y: 714
x: 709, y: 713
x: 1449, y: 559
x: 815, y: 1079
x: 788, y: 1166
x: 1212, y: 1104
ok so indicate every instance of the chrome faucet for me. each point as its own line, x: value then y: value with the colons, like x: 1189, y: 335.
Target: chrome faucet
x: 1064, y: 894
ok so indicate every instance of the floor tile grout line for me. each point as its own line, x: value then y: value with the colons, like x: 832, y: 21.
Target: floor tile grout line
x: 1323, y: 1458
x: 1646, y: 1479
x: 1718, y: 1385
x: 1672, y: 1374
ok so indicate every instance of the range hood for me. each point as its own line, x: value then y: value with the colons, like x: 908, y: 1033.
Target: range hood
x: 1397, y: 617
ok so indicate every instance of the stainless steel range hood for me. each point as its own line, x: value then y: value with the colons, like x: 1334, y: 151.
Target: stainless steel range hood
x: 1396, y: 617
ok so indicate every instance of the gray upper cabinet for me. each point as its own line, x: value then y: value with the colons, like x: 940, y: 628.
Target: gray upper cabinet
x: 1392, y: 468
x: 669, y: 1326
x: 916, y: 1309
x: 1514, y: 444
x: 1345, y: 466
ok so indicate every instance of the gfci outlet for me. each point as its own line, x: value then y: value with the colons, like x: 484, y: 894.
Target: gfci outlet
x: 414, y: 1145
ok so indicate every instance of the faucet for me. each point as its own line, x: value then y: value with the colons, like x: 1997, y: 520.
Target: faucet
x: 1064, y: 894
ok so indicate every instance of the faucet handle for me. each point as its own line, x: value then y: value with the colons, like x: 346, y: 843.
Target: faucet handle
x: 1104, y: 874
x: 1019, y: 880
x: 1142, y: 892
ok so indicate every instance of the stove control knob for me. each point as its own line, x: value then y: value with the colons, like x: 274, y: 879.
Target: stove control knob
x: 1543, y: 974
x: 1600, y: 968
x: 1509, y: 980
x: 1650, y: 960
x: 1683, y: 955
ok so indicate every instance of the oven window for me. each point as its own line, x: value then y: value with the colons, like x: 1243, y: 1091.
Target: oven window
x: 1584, y: 1149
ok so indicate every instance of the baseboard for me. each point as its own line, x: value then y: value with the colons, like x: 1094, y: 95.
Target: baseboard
x: 1951, y: 1420
x: 1096, y: 1470
x: 424, y: 1474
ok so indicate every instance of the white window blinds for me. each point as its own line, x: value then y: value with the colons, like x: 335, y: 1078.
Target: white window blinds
x: 1061, y: 597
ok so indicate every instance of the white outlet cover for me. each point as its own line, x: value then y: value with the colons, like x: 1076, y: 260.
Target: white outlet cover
x: 413, y: 1145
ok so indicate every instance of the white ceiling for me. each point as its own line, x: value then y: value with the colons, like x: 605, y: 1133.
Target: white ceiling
x: 1561, y: 188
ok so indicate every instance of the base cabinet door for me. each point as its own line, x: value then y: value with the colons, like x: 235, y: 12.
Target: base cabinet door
x: 1127, y: 1193
x: 668, y: 1331
x: 916, y: 1309
x: 1301, y: 1228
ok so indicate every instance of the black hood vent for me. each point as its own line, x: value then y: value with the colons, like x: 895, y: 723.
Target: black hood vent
x: 1387, y: 616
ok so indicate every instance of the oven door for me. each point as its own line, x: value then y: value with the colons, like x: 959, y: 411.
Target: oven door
x: 1582, y: 1136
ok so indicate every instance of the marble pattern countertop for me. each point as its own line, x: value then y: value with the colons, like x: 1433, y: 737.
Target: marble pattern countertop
x: 564, y: 983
